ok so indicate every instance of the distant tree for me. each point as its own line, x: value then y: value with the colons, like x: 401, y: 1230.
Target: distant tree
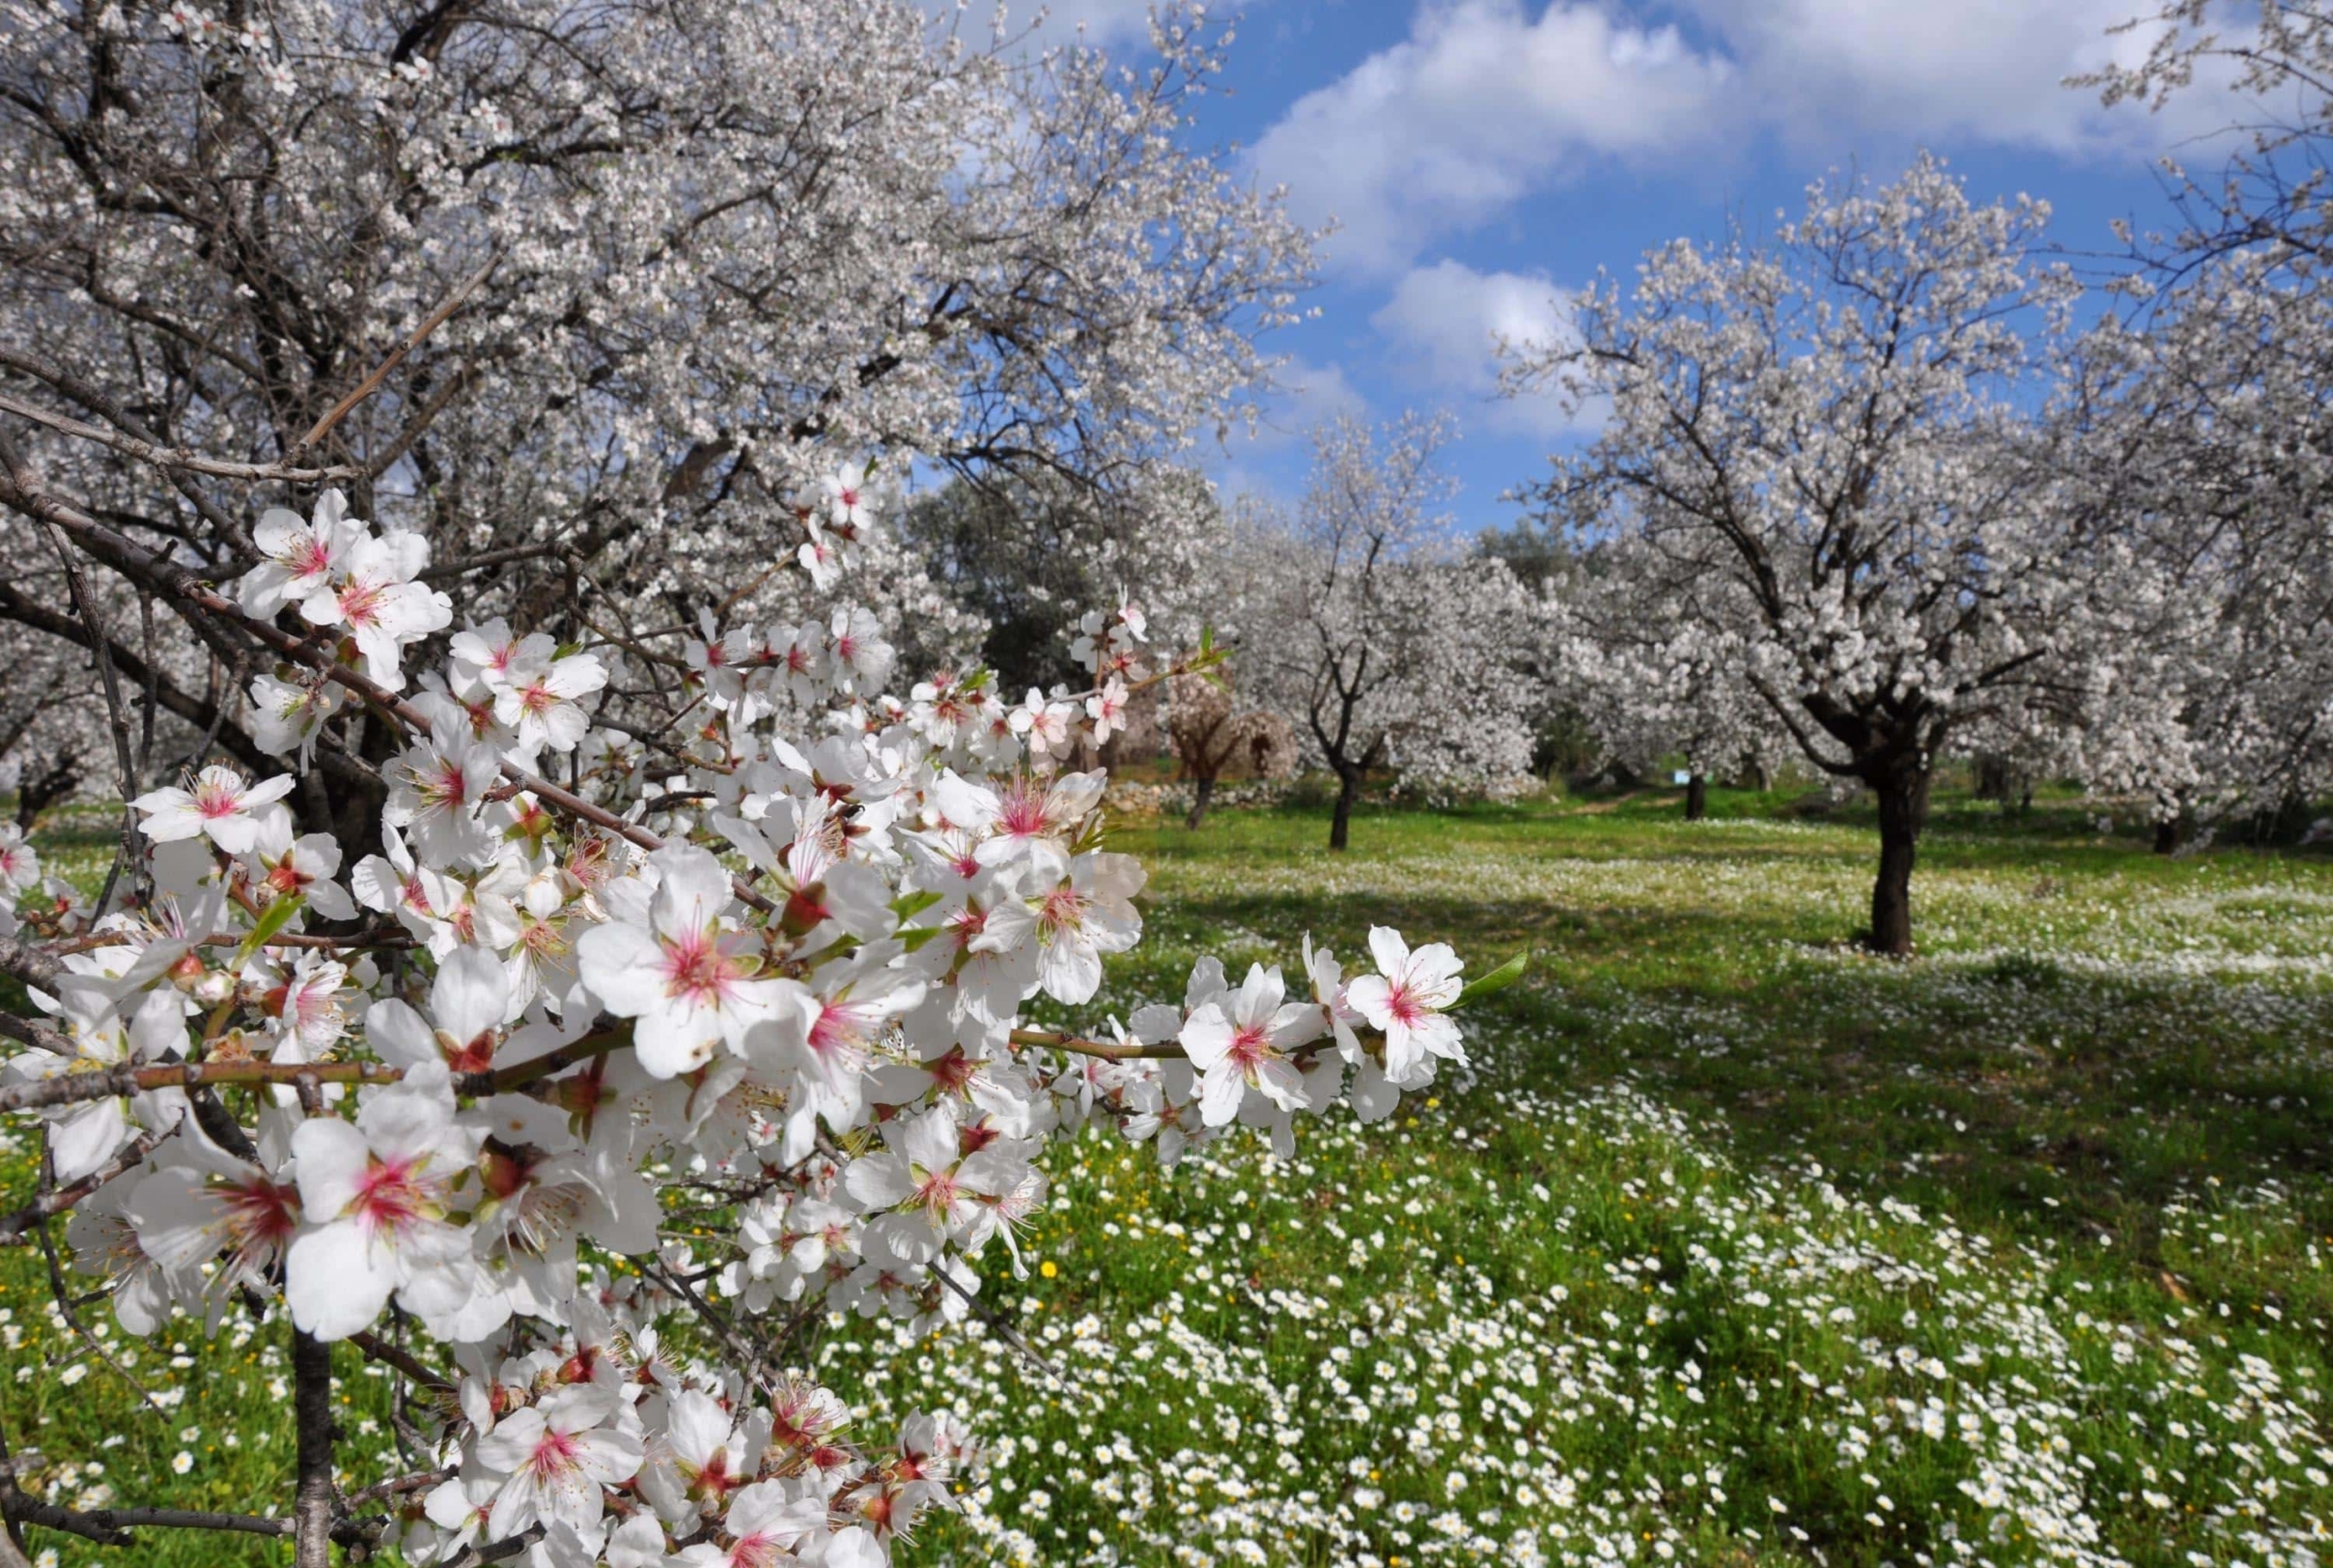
x: 1025, y: 556
x: 1385, y: 646
x: 1648, y: 680
x: 1210, y: 732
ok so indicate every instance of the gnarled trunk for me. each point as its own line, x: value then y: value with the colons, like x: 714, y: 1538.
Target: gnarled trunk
x: 1903, y: 793
x: 2167, y: 835
x: 1697, y: 797
x: 1202, y: 791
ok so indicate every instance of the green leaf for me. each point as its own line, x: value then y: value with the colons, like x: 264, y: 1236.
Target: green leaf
x: 1498, y: 980
x: 277, y: 915
x: 907, y: 905
x: 914, y: 936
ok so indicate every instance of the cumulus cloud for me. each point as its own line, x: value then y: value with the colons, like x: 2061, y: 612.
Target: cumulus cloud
x: 1983, y: 70
x: 1479, y: 106
x: 1308, y: 396
x: 1445, y: 324
x: 1486, y: 102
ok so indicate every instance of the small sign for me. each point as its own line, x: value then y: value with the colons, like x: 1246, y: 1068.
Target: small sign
x: 1680, y: 777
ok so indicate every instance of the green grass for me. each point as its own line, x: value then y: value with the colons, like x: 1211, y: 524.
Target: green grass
x: 1738, y: 1246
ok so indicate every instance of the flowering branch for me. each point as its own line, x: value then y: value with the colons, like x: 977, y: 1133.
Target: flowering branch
x: 808, y: 1001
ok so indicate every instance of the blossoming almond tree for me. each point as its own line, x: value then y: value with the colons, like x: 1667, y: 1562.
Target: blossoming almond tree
x: 1384, y: 648
x: 1815, y: 443
x: 533, y: 285
x: 441, y: 1130
x: 2205, y: 412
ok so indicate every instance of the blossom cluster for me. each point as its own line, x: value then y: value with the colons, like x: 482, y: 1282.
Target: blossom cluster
x: 779, y: 957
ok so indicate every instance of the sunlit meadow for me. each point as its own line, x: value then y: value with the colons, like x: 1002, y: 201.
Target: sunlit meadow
x: 1740, y: 1247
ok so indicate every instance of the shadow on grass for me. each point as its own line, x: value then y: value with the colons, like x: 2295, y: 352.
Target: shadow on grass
x: 2012, y: 1095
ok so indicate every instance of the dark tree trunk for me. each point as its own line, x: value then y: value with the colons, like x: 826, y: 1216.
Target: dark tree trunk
x: 1903, y: 793
x: 1202, y: 791
x: 1340, y: 823
x: 2167, y: 835
x: 311, y: 1410
x: 1697, y: 797
x: 37, y: 793
x: 1992, y: 778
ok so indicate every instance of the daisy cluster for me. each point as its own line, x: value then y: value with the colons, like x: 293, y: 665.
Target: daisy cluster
x: 1639, y: 1352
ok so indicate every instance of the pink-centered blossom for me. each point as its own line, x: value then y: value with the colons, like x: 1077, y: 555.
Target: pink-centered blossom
x: 1406, y: 997
x: 218, y: 804
x: 688, y: 978
x: 1241, y: 1041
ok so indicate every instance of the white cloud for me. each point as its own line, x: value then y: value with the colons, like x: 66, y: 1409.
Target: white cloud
x: 1984, y: 70
x: 1446, y: 320
x: 1308, y: 396
x: 1485, y: 104
x: 1479, y: 106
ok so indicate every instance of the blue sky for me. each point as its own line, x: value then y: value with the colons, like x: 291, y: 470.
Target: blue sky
x: 1482, y: 157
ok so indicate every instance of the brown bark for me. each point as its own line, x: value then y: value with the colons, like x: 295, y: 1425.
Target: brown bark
x: 1697, y: 797
x: 1903, y: 793
x: 312, y: 1408
x: 1340, y: 822
x: 1202, y: 791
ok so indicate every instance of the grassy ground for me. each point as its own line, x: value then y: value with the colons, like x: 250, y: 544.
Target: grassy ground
x: 1737, y: 1248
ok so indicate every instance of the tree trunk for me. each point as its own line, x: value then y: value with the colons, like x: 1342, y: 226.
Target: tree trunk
x: 1992, y: 778
x: 1697, y: 797
x: 312, y: 1410
x: 2167, y: 835
x: 1341, y: 825
x: 36, y: 792
x: 1202, y: 791
x: 1903, y: 794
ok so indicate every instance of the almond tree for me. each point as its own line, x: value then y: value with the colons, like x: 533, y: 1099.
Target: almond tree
x: 2207, y: 413
x: 581, y: 294
x: 1385, y: 648
x: 1636, y: 665
x: 1814, y: 443
x: 1210, y: 731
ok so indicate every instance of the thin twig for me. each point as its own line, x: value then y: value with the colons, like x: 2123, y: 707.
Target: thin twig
x: 396, y: 1486
x: 397, y: 1356
x: 179, y: 456
x: 56, y: 1200
x: 101, y: 644
x: 75, y: 1087
x: 430, y: 324
x: 995, y: 1319
x: 110, y: 1526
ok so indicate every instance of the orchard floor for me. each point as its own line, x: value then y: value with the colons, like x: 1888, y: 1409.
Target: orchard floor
x: 1738, y: 1247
